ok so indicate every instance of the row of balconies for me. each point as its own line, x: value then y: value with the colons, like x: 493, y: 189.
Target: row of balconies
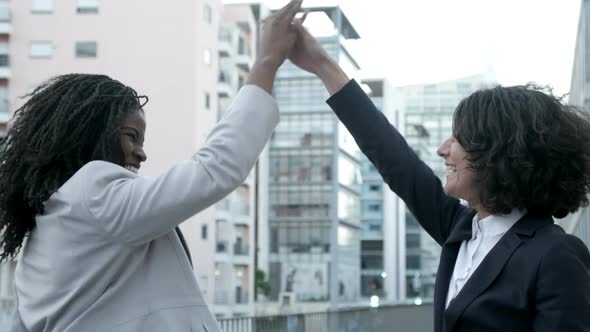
x: 239, y: 249
x: 5, y: 28
x: 223, y: 297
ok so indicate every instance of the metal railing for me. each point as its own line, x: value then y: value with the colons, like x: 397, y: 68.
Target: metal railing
x: 242, y: 297
x: 4, y: 60
x: 241, y: 249
x: 390, y: 318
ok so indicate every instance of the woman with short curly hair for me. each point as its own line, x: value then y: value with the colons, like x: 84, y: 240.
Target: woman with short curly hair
x: 527, y: 149
x: 518, y: 156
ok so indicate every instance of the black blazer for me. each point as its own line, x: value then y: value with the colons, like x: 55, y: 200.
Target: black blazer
x: 536, y: 278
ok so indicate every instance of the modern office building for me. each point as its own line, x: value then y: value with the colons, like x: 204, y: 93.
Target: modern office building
x: 383, y: 214
x: 311, y: 250
x: 428, y: 122
x: 579, y: 223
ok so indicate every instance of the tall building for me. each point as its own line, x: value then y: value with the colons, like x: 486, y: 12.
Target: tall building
x: 6, y: 269
x: 233, y: 264
x: 428, y: 122
x: 5, y: 72
x: 312, y: 250
x: 579, y: 223
x: 383, y: 249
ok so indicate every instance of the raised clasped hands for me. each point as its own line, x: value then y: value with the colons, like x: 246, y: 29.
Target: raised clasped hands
x: 283, y: 36
x: 277, y: 35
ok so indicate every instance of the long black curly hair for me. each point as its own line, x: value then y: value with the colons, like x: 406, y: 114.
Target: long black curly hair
x: 67, y: 122
x: 528, y: 149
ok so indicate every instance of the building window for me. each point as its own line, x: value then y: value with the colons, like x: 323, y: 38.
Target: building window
x: 86, y: 49
x: 41, y: 50
x: 207, y: 57
x: 208, y: 14
x: 4, y: 57
x: 207, y: 101
x: 374, y: 207
x: 87, y: 6
x: 42, y: 6
x: 204, y: 232
x: 241, y: 45
x: 3, y: 100
x: 375, y: 188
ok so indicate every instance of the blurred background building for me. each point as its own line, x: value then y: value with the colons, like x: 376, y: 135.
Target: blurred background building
x: 579, y: 223
x: 5, y: 72
x: 233, y: 271
x: 311, y: 251
x: 383, y: 214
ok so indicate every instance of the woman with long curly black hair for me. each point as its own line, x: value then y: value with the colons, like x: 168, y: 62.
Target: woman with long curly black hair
x: 99, y: 243
x: 67, y: 122
x: 519, y: 157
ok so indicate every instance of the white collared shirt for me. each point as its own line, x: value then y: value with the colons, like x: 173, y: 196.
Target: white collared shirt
x: 486, y: 233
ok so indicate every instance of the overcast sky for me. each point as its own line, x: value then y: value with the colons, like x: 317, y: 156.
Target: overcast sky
x: 426, y: 41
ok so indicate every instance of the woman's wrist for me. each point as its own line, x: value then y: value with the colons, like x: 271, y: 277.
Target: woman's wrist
x: 330, y: 73
x: 263, y: 73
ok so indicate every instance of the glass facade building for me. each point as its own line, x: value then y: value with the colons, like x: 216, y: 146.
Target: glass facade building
x: 383, y: 247
x: 314, y: 189
x: 579, y: 222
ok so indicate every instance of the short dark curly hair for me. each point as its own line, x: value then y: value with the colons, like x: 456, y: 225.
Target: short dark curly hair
x: 67, y: 122
x: 527, y: 148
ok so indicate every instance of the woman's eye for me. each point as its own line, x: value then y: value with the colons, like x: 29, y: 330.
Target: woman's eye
x: 132, y: 138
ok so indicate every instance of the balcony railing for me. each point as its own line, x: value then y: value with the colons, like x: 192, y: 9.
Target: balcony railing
x: 4, y: 60
x: 389, y: 318
x: 241, y: 297
x: 223, y: 77
x: 241, y: 249
x: 221, y: 297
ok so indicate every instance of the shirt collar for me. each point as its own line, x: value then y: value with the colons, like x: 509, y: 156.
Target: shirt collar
x: 496, y: 224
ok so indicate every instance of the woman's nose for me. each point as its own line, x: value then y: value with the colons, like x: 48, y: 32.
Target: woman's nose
x: 141, y: 154
x: 443, y: 149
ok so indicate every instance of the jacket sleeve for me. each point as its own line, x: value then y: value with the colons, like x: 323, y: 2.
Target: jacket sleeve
x: 562, y: 292
x: 408, y: 176
x: 137, y: 209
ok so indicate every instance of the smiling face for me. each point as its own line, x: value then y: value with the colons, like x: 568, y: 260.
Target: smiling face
x: 129, y: 151
x: 460, y: 176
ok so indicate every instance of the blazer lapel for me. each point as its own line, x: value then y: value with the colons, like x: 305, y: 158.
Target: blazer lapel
x: 490, y: 268
x: 483, y: 276
x: 462, y: 231
x: 184, y: 245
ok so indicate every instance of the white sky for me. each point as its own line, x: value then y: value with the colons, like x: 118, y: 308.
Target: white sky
x: 426, y: 41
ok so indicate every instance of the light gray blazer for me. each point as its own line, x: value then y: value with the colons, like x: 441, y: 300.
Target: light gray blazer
x: 105, y: 257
